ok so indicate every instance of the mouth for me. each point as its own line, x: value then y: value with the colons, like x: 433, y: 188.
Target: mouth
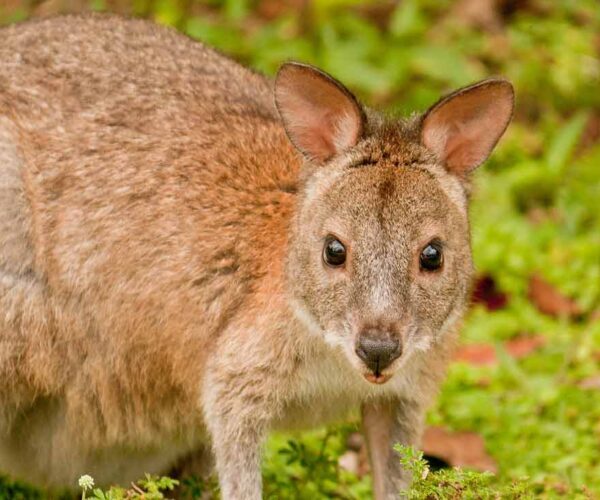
x: 377, y: 378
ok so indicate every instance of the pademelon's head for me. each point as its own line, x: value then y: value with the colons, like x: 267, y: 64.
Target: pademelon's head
x: 379, y: 262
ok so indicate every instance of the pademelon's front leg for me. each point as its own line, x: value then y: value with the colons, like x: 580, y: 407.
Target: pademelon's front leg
x: 241, y: 397
x: 237, y: 435
x: 386, y: 423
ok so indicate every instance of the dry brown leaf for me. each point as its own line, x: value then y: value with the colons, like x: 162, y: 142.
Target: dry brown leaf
x: 349, y: 461
x: 485, y: 354
x: 476, y: 354
x: 486, y: 292
x: 490, y: 15
x: 591, y: 133
x: 272, y: 9
x: 520, y: 347
x: 478, y: 13
x: 590, y: 383
x: 549, y: 300
x: 356, y: 458
x: 378, y: 13
x: 540, y: 215
x: 355, y: 441
x: 459, y: 449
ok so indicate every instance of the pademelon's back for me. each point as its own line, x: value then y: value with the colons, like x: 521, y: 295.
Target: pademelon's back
x: 135, y: 71
x: 138, y: 143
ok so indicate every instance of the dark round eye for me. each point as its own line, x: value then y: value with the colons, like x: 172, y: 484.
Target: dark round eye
x: 431, y: 258
x: 334, y: 253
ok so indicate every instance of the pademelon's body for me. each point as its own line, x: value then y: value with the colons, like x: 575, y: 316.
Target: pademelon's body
x: 192, y: 255
x: 125, y: 148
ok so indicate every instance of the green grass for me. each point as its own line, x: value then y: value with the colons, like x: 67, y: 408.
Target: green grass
x: 535, y: 210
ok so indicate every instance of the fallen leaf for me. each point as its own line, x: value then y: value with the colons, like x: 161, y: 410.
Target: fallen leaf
x: 561, y: 488
x: 486, y: 292
x: 476, y: 354
x: 549, y: 300
x: 489, y: 15
x: 356, y: 458
x: 378, y: 13
x: 591, y: 133
x: 479, y: 14
x: 349, y: 461
x: 483, y: 382
x: 540, y: 215
x: 520, y: 347
x: 590, y: 382
x: 459, y: 449
x: 272, y: 9
x: 485, y: 354
x: 355, y: 441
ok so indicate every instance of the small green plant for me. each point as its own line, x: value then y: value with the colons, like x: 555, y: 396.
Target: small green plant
x: 149, y: 488
x: 455, y: 483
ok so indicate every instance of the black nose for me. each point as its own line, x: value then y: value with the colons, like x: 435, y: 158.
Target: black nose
x: 378, y: 354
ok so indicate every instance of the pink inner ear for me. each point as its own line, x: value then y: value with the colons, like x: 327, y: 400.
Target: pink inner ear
x: 458, y: 150
x: 314, y: 140
x: 463, y: 129
x: 320, y: 116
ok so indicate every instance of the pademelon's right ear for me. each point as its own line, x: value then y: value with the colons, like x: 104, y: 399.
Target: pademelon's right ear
x: 321, y: 117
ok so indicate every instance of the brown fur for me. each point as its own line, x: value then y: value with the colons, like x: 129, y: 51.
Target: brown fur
x: 161, y: 281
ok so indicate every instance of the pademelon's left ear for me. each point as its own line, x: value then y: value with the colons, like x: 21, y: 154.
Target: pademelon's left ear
x: 463, y: 128
x: 321, y: 117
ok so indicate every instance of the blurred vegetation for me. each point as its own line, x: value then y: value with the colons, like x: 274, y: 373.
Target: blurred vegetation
x: 536, y: 205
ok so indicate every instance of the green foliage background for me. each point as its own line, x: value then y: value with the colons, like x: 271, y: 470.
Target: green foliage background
x: 536, y: 203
